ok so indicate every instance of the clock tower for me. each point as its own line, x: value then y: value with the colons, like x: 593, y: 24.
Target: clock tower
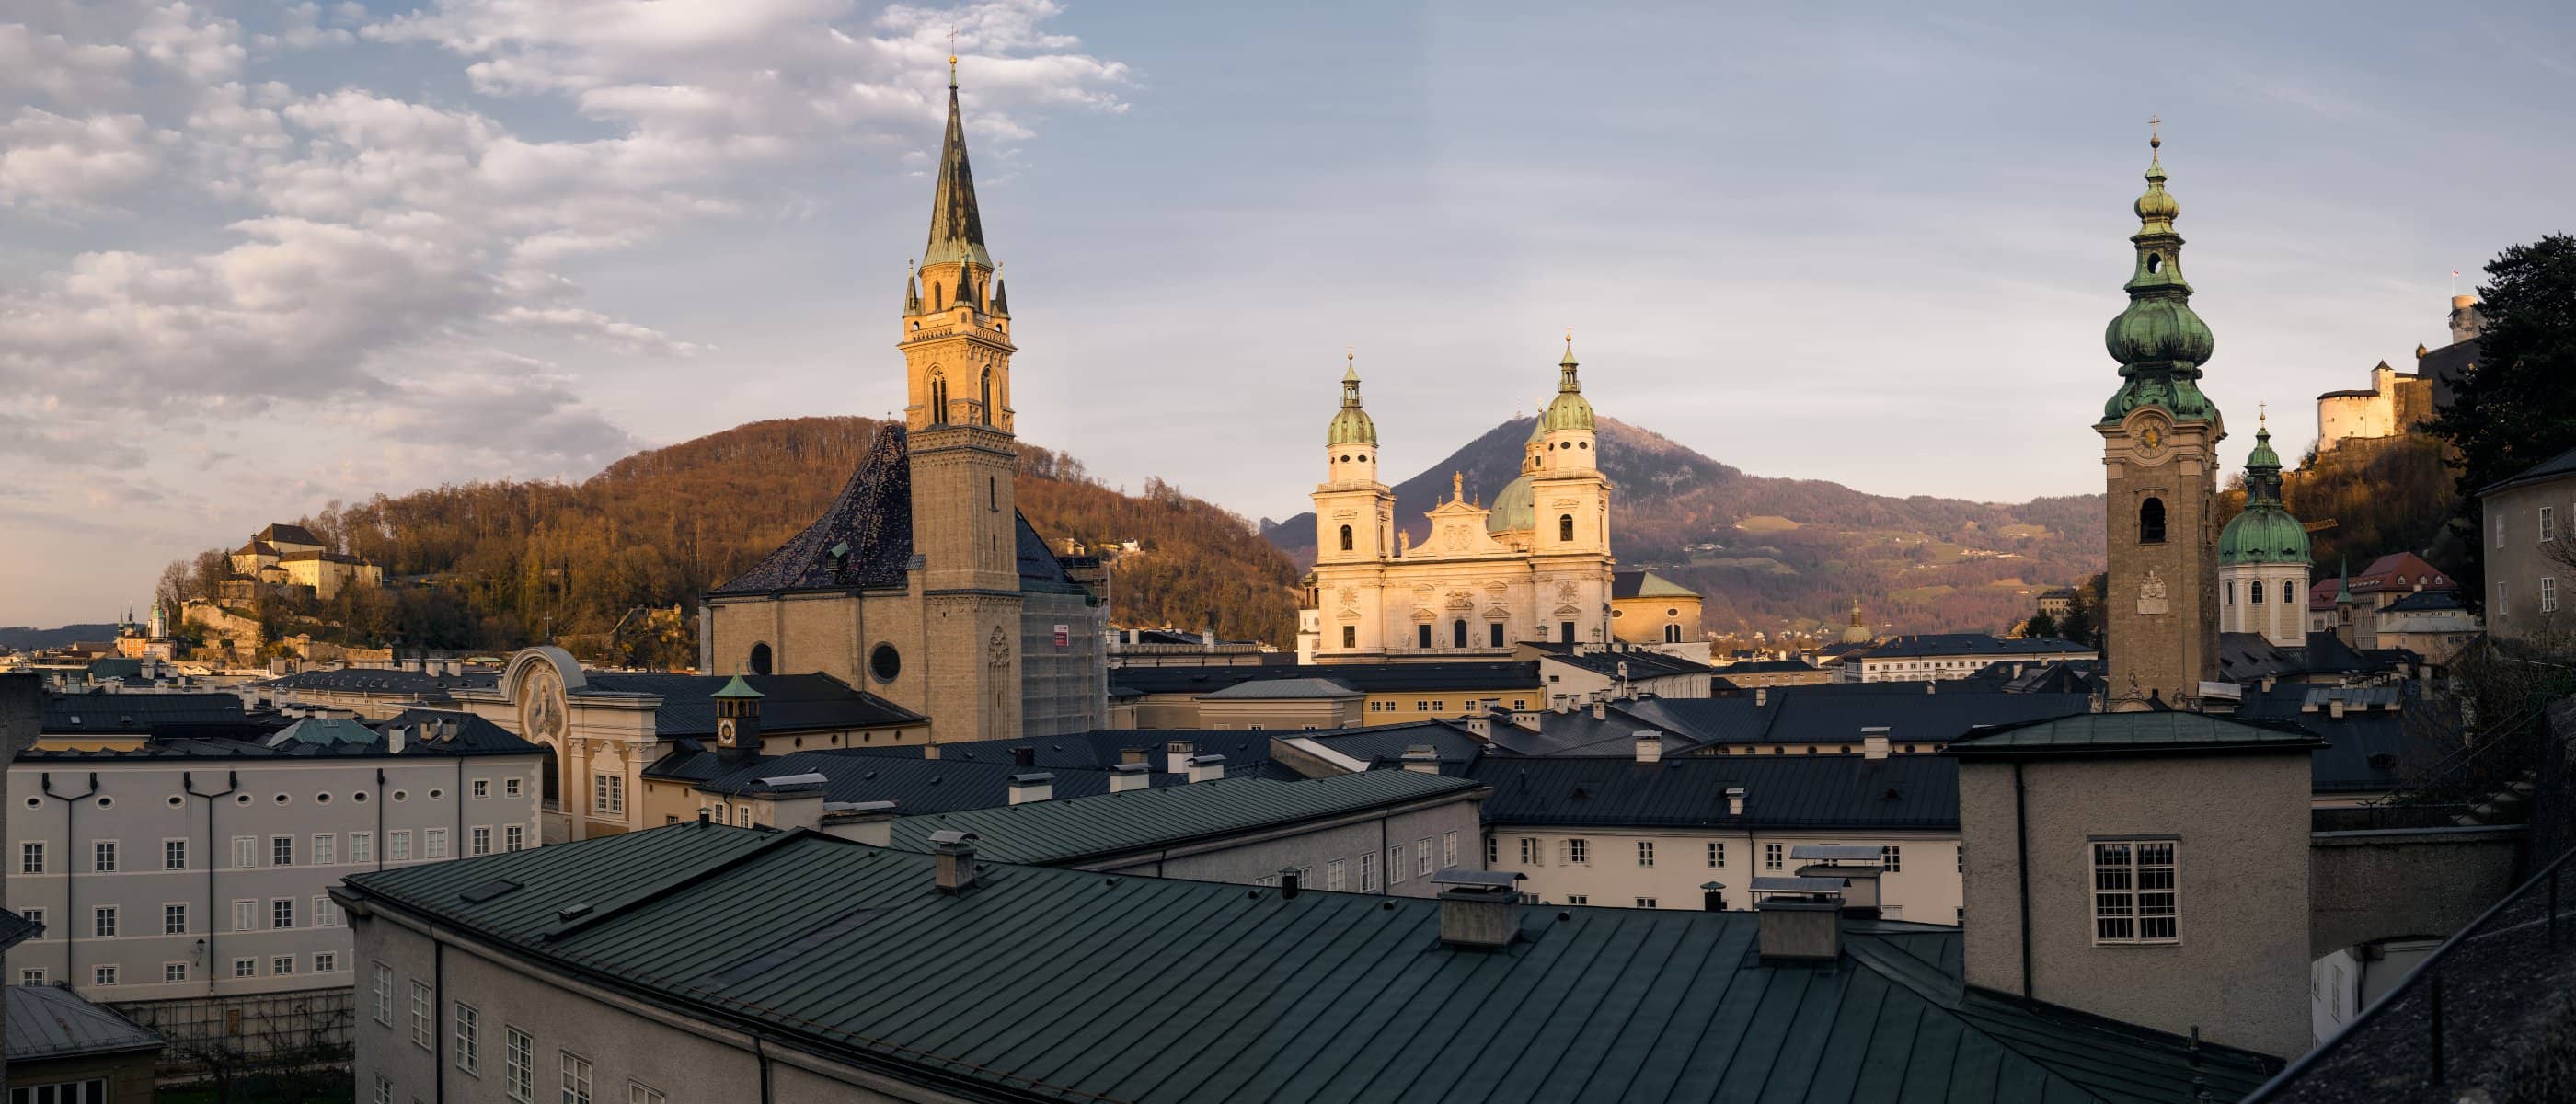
x: 737, y: 722
x: 2159, y: 456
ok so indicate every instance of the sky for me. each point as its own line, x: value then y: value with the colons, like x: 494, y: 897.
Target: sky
x: 257, y: 256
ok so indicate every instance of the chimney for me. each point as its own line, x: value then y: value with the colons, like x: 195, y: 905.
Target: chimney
x: 2334, y: 708
x: 1803, y: 925
x: 1600, y: 710
x: 1761, y: 695
x: 1650, y: 747
x: 868, y: 822
x: 1526, y: 718
x: 1735, y: 801
x: 1134, y: 755
x: 1288, y: 879
x: 1176, y: 756
x: 1422, y: 759
x: 1130, y: 776
x: 1038, y: 786
x: 1712, y: 896
x: 1205, y: 768
x: 952, y: 857
x: 1873, y: 741
x: 1479, y: 909
x: 1481, y: 727
x: 394, y: 739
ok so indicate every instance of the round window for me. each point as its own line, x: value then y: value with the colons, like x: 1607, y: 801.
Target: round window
x: 322, y: 799
x: 884, y: 662
x: 241, y: 799
x: 106, y: 802
x: 436, y: 794
x: 175, y: 801
x: 360, y: 797
x: 35, y: 803
x: 281, y: 799
x: 401, y: 794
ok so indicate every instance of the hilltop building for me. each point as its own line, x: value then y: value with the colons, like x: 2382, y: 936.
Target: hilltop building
x: 284, y: 555
x: 2263, y: 557
x: 2159, y: 452
x: 1534, y: 566
x: 2396, y: 402
x: 917, y: 583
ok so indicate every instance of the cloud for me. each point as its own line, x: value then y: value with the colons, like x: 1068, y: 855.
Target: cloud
x: 57, y: 161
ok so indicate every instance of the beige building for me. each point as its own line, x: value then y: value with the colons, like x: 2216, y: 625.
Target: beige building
x: 2160, y: 438
x: 2530, y: 549
x: 284, y: 555
x: 922, y: 582
x: 2394, y: 403
x: 1391, y: 693
x: 1646, y: 608
x: 1289, y: 703
x: 1536, y: 565
x: 1939, y: 657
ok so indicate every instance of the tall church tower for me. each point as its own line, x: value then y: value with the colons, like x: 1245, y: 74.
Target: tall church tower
x: 1354, y: 518
x: 1570, y: 511
x: 957, y: 362
x: 2263, y: 557
x: 2159, y: 453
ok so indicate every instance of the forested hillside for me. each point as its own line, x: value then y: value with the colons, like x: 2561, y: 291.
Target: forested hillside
x: 493, y: 565
x: 1788, y: 553
x: 2385, y: 495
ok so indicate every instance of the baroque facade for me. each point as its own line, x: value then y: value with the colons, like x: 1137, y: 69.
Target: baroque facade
x: 1534, y: 566
x: 922, y: 583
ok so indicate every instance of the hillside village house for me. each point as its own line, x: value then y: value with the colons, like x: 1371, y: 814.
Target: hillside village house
x: 2531, y: 570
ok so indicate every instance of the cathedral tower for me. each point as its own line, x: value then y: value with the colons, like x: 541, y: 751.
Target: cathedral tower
x: 2159, y: 441
x: 2263, y: 557
x: 957, y: 362
x: 1570, y: 513
x: 1354, y: 514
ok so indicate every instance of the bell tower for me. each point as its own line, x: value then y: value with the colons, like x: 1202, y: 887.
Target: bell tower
x: 1570, y: 515
x: 957, y: 349
x: 2159, y: 452
x: 1354, y: 527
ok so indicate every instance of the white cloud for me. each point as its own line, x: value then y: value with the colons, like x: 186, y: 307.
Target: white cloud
x: 54, y: 160
x: 63, y: 70
x: 189, y: 41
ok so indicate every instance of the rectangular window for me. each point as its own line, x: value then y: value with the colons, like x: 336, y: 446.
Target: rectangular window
x: 433, y: 843
x: 482, y: 788
x: 281, y: 965
x: 422, y: 1029
x: 31, y: 977
x: 174, y: 919
x: 2135, y: 898
x: 1493, y: 852
x: 102, y: 856
x: 1395, y: 864
x: 281, y: 912
x: 1368, y: 872
x: 1770, y: 856
x: 245, y: 915
x: 1529, y: 851
x: 1350, y: 636
x: 325, y: 913
x: 384, y: 1089
x: 514, y: 837
x: 281, y: 850
x: 518, y: 1065
x: 245, y: 852
x: 1578, y: 899
x: 1645, y: 902
x: 482, y: 840
x: 608, y: 794
x: 174, y: 971
x: 1578, y: 851
x: 1448, y: 849
x: 2548, y: 525
x: 2549, y: 594
x: 2499, y: 528
x: 31, y: 857
x: 642, y: 1094
x: 509, y: 787
x: 2502, y: 607
x: 1717, y: 856
x: 469, y: 1038
x: 362, y: 847
x: 1645, y: 852
x: 326, y: 849
x: 1333, y: 875
x: 102, y: 921
x: 325, y: 962
x: 1422, y: 856
x: 245, y: 967
x: 1422, y: 636
x: 398, y: 845
x: 102, y: 975
x: 174, y: 854
x: 1892, y: 857
x: 576, y: 1079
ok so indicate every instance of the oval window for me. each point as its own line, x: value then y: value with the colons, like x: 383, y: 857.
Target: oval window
x: 884, y: 663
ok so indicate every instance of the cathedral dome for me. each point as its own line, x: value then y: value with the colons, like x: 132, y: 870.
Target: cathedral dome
x: 2264, y: 533
x: 1515, y: 508
x: 2159, y: 330
x: 1351, y: 426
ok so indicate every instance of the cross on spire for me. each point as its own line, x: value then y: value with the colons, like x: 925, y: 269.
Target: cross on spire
x: 2155, y: 139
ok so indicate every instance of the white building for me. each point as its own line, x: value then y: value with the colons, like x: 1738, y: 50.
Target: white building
x: 1933, y: 657
x: 188, y: 876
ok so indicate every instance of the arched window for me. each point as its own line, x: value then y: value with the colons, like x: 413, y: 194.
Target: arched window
x: 1672, y: 634
x: 1565, y: 527
x: 2231, y: 592
x: 1346, y: 538
x: 938, y: 397
x: 2254, y: 592
x: 987, y: 412
x: 760, y: 659
x: 1458, y: 633
x: 2151, y: 521
x: 550, y: 778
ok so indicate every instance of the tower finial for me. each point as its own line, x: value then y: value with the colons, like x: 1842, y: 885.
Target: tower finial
x: 2155, y: 139
x: 952, y: 57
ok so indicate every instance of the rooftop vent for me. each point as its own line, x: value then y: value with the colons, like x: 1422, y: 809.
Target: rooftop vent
x: 1422, y: 759
x: 952, y: 856
x: 1800, y: 918
x: 1873, y: 742
x: 1176, y: 756
x: 1130, y: 776
x: 1289, y: 877
x: 785, y: 781
x: 1205, y: 768
x: 1038, y: 786
x: 1650, y: 747
x: 1735, y: 801
x: 488, y: 891
x: 1478, y: 908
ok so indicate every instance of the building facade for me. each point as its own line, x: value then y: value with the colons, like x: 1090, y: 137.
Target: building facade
x: 1534, y: 566
x: 2160, y: 438
x: 1937, y: 657
x: 2394, y: 403
x: 2530, y: 551
x: 2263, y: 558
x: 923, y: 583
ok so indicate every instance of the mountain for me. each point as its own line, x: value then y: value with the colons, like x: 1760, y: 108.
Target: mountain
x: 28, y: 638
x: 495, y: 565
x: 1772, y: 554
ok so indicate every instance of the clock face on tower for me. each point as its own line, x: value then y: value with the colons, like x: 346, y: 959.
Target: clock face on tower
x: 2151, y: 440
x: 724, y: 732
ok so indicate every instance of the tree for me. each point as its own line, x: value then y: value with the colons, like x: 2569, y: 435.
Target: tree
x: 2516, y: 406
x: 2042, y: 626
x: 2083, y: 621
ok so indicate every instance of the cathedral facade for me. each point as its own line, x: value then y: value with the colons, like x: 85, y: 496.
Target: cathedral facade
x: 922, y: 583
x: 1535, y: 566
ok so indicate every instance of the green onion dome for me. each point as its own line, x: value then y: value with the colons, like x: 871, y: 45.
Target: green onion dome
x: 2159, y: 330
x: 1351, y: 425
x: 1569, y: 411
x: 2266, y: 532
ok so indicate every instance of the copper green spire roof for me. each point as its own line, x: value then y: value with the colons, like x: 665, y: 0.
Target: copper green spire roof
x: 2343, y: 589
x: 737, y: 689
x: 1569, y: 410
x: 2158, y: 341
x: 956, y: 229
x: 1351, y: 426
x: 2265, y: 532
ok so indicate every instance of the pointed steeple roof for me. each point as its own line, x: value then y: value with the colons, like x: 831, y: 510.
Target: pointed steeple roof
x: 1351, y: 425
x: 1568, y: 410
x: 911, y: 290
x: 2159, y: 342
x: 956, y: 229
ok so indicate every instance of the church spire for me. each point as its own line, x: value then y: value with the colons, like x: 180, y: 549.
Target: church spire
x: 1351, y: 425
x: 956, y: 229
x: 2158, y: 341
x: 911, y: 290
x: 1569, y: 410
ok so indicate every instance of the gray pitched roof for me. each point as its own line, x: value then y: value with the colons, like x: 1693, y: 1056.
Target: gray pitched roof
x: 1381, y: 678
x: 1099, y: 748
x: 916, y: 786
x: 1282, y: 688
x: 47, y: 1021
x: 1109, y: 824
x: 1934, y: 645
x: 788, y: 703
x: 1030, y: 986
x: 1789, y: 791
x: 2130, y: 733
x: 72, y: 714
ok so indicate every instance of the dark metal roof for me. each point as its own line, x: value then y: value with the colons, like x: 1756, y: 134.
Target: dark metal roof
x: 1283, y: 688
x: 1375, y: 678
x: 914, y: 785
x: 1769, y: 667
x: 1935, y: 645
x: 384, y: 680
x: 1099, y: 748
x: 137, y: 714
x: 1788, y: 791
x: 1641, y: 663
x: 455, y: 733
x: 16, y: 929
x: 1030, y: 987
x: 1388, y: 743
x: 1059, y: 831
x: 2130, y: 733
x: 47, y: 1022
x: 2560, y: 466
x: 285, y: 533
x: 788, y: 703
x: 2426, y: 600
x: 1783, y: 717
x: 2367, y: 750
